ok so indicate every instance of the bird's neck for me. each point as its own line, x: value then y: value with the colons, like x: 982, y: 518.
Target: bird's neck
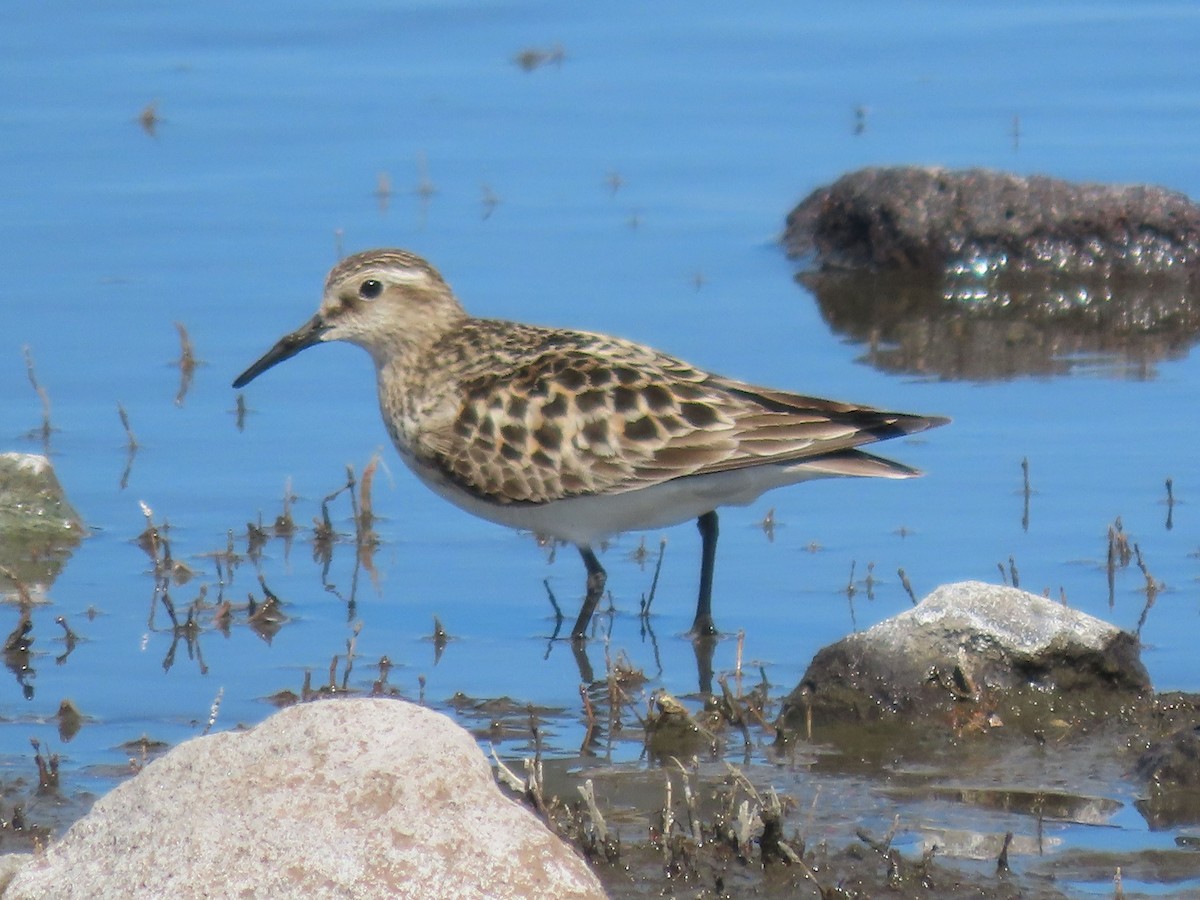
x: 411, y: 393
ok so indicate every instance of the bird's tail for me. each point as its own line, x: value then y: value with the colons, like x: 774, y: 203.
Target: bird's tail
x: 854, y: 464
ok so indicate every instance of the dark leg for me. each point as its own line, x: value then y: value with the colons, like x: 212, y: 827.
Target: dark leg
x: 703, y: 625
x: 595, y: 589
x: 586, y: 675
x: 704, y: 646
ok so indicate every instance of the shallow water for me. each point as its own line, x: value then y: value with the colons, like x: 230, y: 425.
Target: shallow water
x: 636, y: 185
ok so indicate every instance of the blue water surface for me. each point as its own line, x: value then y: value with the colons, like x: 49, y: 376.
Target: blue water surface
x: 634, y: 182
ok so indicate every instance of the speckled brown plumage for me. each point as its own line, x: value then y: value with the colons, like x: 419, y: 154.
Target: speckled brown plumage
x: 543, y: 415
x: 570, y: 434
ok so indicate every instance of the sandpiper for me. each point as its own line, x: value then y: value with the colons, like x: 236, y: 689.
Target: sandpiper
x: 572, y: 435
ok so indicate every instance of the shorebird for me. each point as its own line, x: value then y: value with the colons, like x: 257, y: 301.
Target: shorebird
x: 573, y: 435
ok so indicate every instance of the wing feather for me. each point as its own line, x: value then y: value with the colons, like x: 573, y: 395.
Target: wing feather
x: 572, y: 414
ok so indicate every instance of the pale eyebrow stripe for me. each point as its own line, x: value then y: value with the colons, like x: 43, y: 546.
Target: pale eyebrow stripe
x: 401, y: 268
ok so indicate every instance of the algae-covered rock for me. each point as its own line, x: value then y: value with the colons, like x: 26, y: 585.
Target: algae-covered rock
x: 38, y: 526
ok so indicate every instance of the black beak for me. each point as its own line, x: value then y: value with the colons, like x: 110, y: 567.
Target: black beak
x: 285, y: 348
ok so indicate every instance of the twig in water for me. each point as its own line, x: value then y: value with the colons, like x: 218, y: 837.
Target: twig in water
x: 882, y: 844
x: 1026, y: 492
x: 47, y: 767
x: 489, y: 201
x: 440, y: 639
x: 1152, y: 589
x: 69, y: 636
x: 131, y: 439
x: 668, y: 822
x: 366, y: 512
x: 589, y: 714
x: 19, y: 641
x: 149, y: 118
x: 46, y: 428
x: 588, y: 792
x: 131, y: 443
x: 285, y: 525
x: 647, y: 600
x: 535, y: 781
x: 186, y: 363
x: 383, y: 190
x: 510, y: 778
x: 1002, y: 861
x: 558, y: 613
x: 737, y: 660
x: 850, y: 591
x: 768, y: 525
x: 733, y: 712
x: 689, y: 799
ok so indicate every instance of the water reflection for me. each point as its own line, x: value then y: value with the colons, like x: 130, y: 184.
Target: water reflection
x: 988, y: 322
x: 18, y: 648
x: 16, y: 652
x: 191, y: 621
x: 187, y: 363
x: 39, y: 531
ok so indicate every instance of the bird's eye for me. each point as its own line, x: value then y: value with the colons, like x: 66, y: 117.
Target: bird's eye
x: 370, y: 289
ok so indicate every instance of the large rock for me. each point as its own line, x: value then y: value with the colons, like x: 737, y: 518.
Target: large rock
x: 973, y: 650
x: 38, y: 526
x: 980, y: 274
x: 913, y: 217
x: 354, y: 798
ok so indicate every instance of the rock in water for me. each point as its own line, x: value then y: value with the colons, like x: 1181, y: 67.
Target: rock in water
x: 38, y: 526
x: 342, y: 798
x: 919, y: 218
x: 971, y: 645
x: 978, y: 274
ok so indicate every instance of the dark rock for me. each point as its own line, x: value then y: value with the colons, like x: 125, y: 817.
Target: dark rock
x: 909, y: 217
x: 972, y: 652
x: 981, y: 275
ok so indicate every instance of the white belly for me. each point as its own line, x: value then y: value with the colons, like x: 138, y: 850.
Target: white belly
x: 587, y: 520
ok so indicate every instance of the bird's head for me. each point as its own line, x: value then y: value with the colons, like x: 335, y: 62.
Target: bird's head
x: 385, y: 301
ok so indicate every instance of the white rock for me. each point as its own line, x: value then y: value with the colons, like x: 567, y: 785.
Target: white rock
x: 344, y: 798
x: 1023, y: 657
x: 975, y: 612
x: 10, y: 865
